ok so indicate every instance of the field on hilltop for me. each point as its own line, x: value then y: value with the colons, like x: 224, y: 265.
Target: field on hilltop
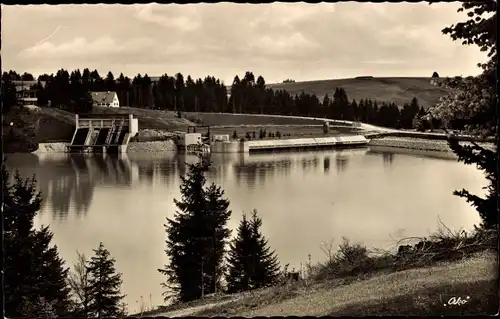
x: 395, y: 89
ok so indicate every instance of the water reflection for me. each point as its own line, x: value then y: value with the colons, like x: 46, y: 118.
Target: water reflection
x: 381, y: 150
x: 68, y: 181
x: 326, y: 164
x: 341, y: 161
x: 387, y: 158
x: 255, y: 169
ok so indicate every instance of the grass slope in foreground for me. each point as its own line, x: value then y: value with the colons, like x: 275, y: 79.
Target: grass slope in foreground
x: 419, y: 291
x: 398, y: 90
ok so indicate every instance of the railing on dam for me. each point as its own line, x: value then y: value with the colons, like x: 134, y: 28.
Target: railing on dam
x: 307, y: 142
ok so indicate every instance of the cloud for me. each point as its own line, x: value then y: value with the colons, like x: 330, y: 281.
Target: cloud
x: 278, y: 40
x: 381, y: 62
x: 81, y: 47
x: 168, y: 19
x: 284, y: 45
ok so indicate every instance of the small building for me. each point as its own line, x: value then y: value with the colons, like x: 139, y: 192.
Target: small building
x: 220, y: 137
x: 435, y: 79
x: 184, y: 140
x: 25, y: 94
x: 105, y: 99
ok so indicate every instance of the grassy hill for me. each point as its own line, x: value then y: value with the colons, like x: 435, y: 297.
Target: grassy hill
x: 44, y: 125
x: 397, y: 90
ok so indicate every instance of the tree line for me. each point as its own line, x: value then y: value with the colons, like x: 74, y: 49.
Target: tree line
x: 69, y: 91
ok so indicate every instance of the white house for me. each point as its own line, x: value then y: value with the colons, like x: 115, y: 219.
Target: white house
x: 106, y: 99
x: 25, y: 94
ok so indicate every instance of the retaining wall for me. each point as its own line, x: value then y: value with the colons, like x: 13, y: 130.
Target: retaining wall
x: 132, y: 147
x: 419, y: 143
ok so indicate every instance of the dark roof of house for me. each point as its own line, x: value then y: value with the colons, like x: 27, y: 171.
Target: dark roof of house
x: 103, y: 97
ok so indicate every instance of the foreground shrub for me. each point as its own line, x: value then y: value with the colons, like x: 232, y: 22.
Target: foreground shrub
x: 444, y: 245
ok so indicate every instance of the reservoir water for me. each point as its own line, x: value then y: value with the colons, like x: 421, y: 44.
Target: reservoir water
x: 375, y: 196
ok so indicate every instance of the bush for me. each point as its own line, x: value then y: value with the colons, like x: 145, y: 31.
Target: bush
x: 195, y: 119
x: 254, y: 135
x: 278, y: 134
x: 445, y: 245
x: 235, y: 135
x: 247, y: 136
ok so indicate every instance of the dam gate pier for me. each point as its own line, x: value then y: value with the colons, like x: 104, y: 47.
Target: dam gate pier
x: 103, y: 133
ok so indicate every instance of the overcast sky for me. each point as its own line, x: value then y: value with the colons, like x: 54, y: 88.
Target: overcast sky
x: 278, y: 41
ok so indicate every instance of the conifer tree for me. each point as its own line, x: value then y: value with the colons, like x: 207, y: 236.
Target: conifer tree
x: 34, y: 274
x: 196, y: 237
x: 474, y: 102
x: 266, y: 262
x: 239, y: 259
x: 252, y: 264
x: 104, y: 285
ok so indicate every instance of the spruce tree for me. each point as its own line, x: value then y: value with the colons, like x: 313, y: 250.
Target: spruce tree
x: 216, y: 234
x: 266, y: 262
x: 196, y: 238
x: 34, y: 274
x: 252, y: 264
x: 104, y: 285
x: 474, y: 101
x: 239, y: 259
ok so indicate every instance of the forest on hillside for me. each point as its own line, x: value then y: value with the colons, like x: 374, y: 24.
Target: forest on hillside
x: 248, y: 94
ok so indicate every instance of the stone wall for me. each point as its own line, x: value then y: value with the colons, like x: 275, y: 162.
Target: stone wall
x: 153, y: 146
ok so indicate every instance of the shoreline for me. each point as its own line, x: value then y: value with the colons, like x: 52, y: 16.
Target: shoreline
x: 420, y: 144
x: 168, y: 145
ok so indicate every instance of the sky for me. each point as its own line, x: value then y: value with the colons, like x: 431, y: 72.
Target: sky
x: 299, y: 41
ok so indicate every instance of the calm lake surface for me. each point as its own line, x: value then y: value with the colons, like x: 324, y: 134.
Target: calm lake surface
x: 371, y: 195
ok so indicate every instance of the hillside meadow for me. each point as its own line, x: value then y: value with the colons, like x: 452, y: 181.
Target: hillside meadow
x: 398, y: 90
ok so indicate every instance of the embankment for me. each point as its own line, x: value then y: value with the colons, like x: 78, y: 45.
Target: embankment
x: 44, y: 148
x: 133, y: 147
x: 422, y: 144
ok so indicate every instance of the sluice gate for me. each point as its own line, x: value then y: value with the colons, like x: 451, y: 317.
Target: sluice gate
x: 103, y: 133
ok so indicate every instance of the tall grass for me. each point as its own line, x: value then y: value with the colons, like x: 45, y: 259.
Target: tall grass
x: 354, y: 259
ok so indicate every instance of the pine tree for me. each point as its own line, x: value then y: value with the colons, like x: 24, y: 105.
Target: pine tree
x: 239, y: 259
x: 196, y: 237
x: 104, y: 285
x: 252, y: 264
x: 216, y: 236
x: 266, y: 262
x: 34, y: 274
x: 474, y: 101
